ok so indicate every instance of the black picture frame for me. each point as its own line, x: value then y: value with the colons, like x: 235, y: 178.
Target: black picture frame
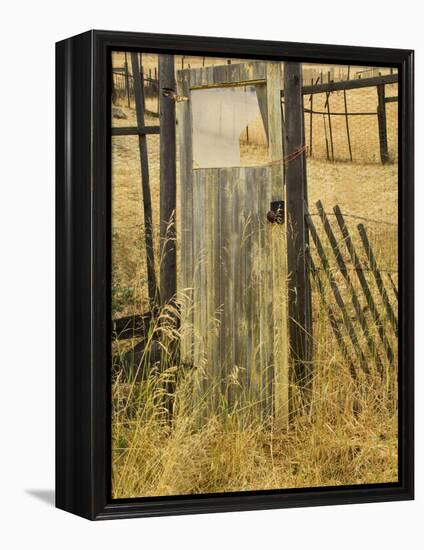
x: 83, y: 469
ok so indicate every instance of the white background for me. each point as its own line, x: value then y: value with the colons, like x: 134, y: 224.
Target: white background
x: 28, y: 33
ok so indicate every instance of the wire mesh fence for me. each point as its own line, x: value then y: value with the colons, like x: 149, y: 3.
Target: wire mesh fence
x: 344, y: 125
x: 343, y: 140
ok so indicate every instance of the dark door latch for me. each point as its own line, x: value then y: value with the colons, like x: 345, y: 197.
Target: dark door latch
x: 276, y: 214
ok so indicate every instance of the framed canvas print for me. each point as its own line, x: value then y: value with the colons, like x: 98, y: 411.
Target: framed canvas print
x: 234, y: 274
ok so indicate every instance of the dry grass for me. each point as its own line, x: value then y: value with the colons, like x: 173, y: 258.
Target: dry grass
x: 348, y: 437
x: 350, y: 434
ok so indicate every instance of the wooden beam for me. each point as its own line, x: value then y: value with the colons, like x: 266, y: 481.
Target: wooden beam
x: 300, y: 325
x: 348, y: 84
x: 168, y: 179
x: 135, y: 131
x: 147, y: 201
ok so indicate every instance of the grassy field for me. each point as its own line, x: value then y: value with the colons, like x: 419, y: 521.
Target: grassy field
x: 348, y: 436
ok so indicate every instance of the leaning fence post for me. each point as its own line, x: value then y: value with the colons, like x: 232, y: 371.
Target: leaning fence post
x: 382, y: 123
x: 377, y: 276
x: 300, y: 325
x: 363, y: 282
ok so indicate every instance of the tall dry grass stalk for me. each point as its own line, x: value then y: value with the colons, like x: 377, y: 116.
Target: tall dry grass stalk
x: 347, y: 436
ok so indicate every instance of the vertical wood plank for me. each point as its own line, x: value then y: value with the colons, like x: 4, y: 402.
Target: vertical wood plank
x: 280, y: 348
x: 264, y: 186
x: 254, y: 295
x: 186, y: 195
x: 241, y: 287
x: 213, y: 282
x: 237, y: 194
x: 227, y: 284
x: 275, y: 135
x: 201, y: 221
x: 248, y: 283
x: 198, y: 290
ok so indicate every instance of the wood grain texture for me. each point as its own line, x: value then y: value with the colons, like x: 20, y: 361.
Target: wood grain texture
x: 228, y: 75
x: 300, y: 318
x: 239, y: 304
x: 186, y: 190
x: 145, y: 184
x: 236, y: 262
x: 168, y: 182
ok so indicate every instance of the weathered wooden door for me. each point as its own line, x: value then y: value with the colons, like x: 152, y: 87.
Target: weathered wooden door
x: 233, y: 271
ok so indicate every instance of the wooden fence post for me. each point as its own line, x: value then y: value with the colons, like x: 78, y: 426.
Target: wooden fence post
x: 382, y: 123
x: 114, y: 96
x: 311, y: 102
x: 347, y: 118
x: 127, y: 81
x: 330, y: 128
x: 145, y: 183
x: 168, y: 179
x: 142, y: 84
x: 300, y: 325
x: 168, y: 197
